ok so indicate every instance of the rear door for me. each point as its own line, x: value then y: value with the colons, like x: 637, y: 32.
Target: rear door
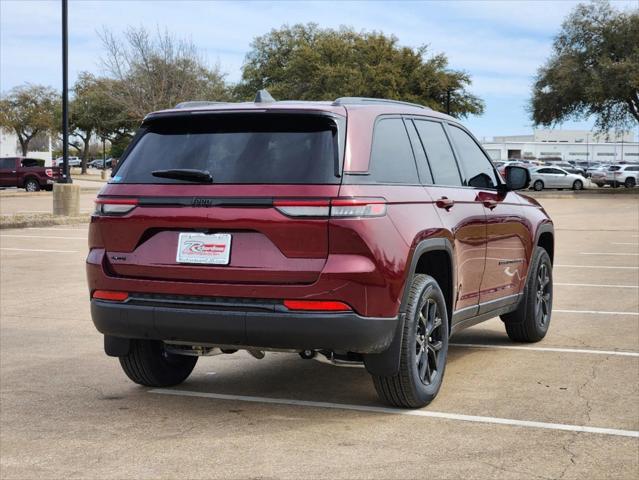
x: 8, y: 172
x: 267, y: 203
x: 506, y: 233
x: 461, y: 212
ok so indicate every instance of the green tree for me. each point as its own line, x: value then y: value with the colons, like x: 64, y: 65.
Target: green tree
x: 593, y: 70
x: 94, y: 114
x: 29, y: 110
x: 157, y: 72
x: 305, y: 62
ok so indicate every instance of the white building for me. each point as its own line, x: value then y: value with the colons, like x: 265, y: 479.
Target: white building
x: 10, y: 147
x: 565, y: 145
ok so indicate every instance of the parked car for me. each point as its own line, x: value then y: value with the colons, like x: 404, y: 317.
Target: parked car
x: 626, y: 175
x: 27, y: 173
x: 100, y: 163
x: 362, y: 231
x: 570, y: 168
x: 73, y: 162
x: 553, y: 177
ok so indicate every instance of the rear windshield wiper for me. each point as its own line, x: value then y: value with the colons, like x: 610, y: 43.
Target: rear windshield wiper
x: 188, y: 174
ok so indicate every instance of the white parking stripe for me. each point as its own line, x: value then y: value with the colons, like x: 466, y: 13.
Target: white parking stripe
x: 594, y: 312
x: 594, y: 285
x: 548, y: 349
x: 55, y: 229
x: 625, y: 243
x: 397, y: 411
x: 43, y: 236
x: 616, y: 253
x: 37, y: 250
x: 594, y: 266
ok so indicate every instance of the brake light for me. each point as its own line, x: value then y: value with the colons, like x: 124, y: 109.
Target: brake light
x: 317, y: 305
x: 110, y: 295
x: 48, y: 172
x: 114, y: 206
x: 337, y: 207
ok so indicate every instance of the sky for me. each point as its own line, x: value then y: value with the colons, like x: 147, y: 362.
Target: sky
x: 501, y: 44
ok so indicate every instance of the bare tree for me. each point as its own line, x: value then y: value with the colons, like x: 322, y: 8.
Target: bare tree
x: 156, y: 72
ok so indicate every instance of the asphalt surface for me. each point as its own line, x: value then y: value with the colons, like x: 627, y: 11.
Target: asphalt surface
x: 567, y: 407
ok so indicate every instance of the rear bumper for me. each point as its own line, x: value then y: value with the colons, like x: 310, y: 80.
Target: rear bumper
x: 340, y: 332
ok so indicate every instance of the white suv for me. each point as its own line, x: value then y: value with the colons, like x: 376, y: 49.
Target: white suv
x: 626, y: 175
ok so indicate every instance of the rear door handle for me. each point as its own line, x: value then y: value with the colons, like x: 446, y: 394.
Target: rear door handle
x: 445, y: 202
x: 490, y: 204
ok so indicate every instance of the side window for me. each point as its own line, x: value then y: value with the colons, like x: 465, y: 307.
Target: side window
x: 32, y: 162
x: 7, y: 162
x: 477, y: 168
x: 544, y: 170
x: 422, y: 164
x: 440, y: 155
x: 392, y: 159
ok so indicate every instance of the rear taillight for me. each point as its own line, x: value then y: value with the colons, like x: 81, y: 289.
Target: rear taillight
x: 110, y: 295
x: 114, y: 206
x: 48, y: 172
x: 317, y: 305
x: 335, y: 208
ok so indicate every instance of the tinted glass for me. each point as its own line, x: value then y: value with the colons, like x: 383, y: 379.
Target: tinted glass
x: 7, y: 162
x: 439, y: 153
x: 422, y: 164
x: 261, y: 149
x: 32, y: 162
x: 633, y: 169
x: 392, y: 159
x: 477, y: 168
x: 544, y: 170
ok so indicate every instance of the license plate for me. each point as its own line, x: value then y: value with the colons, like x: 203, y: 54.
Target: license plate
x: 214, y: 249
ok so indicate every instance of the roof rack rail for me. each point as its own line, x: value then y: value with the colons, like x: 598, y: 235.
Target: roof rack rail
x: 197, y: 103
x: 367, y: 100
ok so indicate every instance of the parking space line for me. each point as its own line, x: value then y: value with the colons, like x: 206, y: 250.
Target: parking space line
x: 397, y: 411
x: 596, y: 266
x: 53, y: 229
x: 616, y: 253
x: 42, y: 236
x: 625, y: 243
x: 594, y: 285
x: 548, y: 349
x: 37, y: 250
x: 594, y: 312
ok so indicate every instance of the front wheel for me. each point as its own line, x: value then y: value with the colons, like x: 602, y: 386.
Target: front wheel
x: 149, y: 364
x: 530, y: 322
x: 538, y: 186
x: 630, y: 182
x: 578, y: 185
x: 424, y: 348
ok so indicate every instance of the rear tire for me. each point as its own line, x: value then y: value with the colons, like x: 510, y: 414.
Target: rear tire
x: 530, y: 322
x: 423, y: 351
x: 577, y: 185
x: 31, y: 185
x: 538, y: 186
x: 149, y: 364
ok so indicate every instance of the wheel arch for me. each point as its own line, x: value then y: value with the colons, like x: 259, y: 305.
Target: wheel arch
x: 545, y: 238
x: 434, y: 257
x: 26, y: 178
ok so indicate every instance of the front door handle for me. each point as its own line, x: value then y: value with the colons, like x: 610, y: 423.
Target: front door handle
x: 490, y: 204
x: 445, y: 203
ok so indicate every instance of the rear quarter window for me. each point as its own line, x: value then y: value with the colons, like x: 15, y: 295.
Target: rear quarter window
x: 392, y: 159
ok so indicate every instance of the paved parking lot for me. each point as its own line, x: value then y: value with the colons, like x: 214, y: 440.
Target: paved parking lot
x: 567, y: 407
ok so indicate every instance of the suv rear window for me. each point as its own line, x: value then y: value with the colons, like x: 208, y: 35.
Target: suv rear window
x: 237, y: 148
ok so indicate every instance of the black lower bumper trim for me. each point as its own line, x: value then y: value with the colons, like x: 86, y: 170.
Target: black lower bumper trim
x: 340, y: 332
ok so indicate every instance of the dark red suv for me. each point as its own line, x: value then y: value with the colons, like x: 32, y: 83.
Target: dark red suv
x: 359, y: 230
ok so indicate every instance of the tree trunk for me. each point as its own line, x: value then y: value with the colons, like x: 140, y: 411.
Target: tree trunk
x: 24, y: 144
x: 85, y: 152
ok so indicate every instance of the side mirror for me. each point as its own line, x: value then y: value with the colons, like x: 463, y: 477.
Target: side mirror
x: 517, y: 178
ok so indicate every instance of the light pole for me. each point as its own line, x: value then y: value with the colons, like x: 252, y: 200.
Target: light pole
x: 66, y: 178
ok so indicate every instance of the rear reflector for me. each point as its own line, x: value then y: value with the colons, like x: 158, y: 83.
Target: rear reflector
x: 110, y: 295
x: 114, y: 206
x: 317, y: 305
x: 48, y: 172
x: 303, y: 208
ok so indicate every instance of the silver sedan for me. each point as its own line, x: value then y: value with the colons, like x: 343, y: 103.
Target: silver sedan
x: 554, y: 177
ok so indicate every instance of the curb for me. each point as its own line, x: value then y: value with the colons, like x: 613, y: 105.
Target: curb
x: 42, y: 220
